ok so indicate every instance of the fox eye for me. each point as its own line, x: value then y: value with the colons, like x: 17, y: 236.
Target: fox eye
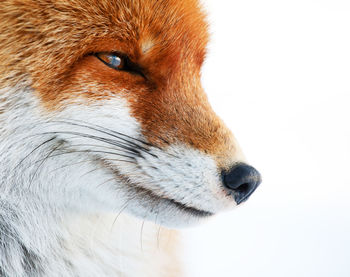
x: 114, y: 61
x: 120, y: 62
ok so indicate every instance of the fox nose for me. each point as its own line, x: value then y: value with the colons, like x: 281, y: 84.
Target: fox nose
x: 242, y: 180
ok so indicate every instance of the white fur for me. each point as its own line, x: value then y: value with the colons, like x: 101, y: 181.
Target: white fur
x: 59, y: 201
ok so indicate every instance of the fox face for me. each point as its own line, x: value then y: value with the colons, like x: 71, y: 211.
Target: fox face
x: 103, y: 104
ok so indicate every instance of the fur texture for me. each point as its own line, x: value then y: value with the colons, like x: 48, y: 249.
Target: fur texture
x: 93, y: 160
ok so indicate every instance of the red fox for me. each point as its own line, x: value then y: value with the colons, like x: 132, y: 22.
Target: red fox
x: 106, y: 136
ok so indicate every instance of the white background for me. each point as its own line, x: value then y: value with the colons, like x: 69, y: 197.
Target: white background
x: 278, y: 73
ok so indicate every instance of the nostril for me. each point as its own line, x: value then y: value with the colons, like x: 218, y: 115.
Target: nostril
x: 242, y: 180
x: 243, y: 188
x: 244, y: 191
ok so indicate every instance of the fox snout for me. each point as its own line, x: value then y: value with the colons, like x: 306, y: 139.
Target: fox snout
x: 188, y: 119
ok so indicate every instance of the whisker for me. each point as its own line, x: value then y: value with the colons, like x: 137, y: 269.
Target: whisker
x: 100, y: 146
x: 90, y: 171
x: 127, y: 139
x: 116, y: 150
x: 36, y: 148
x: 158, y: 236
x: 42, y: 162
x: 104, y: 130
x: 127, y: 202
x: 91, y: 151
x: 141, y: 235
x: 104, y: 152
x: 116, y: 134
x: 155, y: 222
x: 67, y: 165
x: 105, y: 182
x: 105, y: 140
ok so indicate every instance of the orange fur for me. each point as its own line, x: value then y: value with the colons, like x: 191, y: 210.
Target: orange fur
x: 56, y: 38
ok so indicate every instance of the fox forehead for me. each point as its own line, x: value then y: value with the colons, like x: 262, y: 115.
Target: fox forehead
x: 45, y: 38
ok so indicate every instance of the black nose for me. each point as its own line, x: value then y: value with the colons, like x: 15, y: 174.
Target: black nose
x: 242, y: 180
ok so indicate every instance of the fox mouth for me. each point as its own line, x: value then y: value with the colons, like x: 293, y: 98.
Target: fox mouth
x: 147, y: 196
x: 172, y: 202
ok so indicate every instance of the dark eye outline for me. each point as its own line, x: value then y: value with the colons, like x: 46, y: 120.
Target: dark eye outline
x: 128, y: 65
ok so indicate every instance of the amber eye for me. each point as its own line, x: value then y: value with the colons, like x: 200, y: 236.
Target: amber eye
x: 112, y: 60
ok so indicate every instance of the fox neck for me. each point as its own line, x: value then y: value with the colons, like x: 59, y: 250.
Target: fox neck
x: 48, y: 227
x: 91, y: 245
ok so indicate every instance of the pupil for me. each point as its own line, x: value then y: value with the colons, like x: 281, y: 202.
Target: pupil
x: 116, y: 61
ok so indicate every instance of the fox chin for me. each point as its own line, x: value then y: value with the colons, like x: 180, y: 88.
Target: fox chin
x: 108, y: 144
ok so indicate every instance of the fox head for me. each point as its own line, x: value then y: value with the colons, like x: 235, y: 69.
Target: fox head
x: 102, y: 108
